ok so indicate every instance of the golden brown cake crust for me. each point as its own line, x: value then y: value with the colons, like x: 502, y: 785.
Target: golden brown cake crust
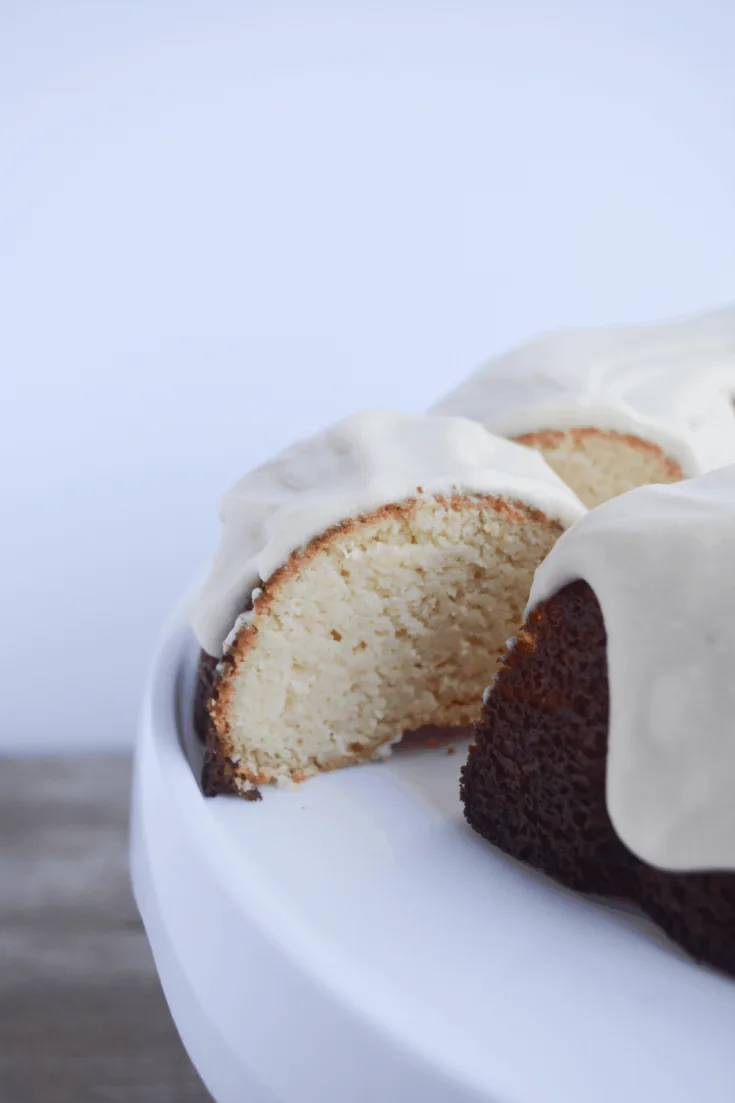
x: 206, y: 677
x: 534, y: 782
x: 217, y: 680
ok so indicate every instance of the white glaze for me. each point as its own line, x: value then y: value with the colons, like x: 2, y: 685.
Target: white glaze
x: 355, y: 467
x: 661, y: 560
x: 669, y: 384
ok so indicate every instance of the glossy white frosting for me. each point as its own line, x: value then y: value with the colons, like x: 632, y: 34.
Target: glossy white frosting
x: 355, y: 467
x: 661, y: 560
x: 669, y: 384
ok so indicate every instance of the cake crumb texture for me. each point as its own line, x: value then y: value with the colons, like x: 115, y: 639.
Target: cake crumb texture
x: 599, y: 464
x: 386, y: 624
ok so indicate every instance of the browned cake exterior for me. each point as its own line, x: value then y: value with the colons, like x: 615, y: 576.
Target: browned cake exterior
x: 534, y: 782
x: 206, y: 677
x: 217, y: 772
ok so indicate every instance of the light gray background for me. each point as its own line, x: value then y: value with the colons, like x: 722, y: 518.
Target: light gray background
x: 225, y: 224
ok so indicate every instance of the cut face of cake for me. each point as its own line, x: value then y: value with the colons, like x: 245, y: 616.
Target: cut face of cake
x: 614, y: 409
x: 600, y: 464
x: 605, y: 755
x: 366, y: 583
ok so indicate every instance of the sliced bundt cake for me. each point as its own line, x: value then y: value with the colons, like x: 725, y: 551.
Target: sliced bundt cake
x: 365, y: 584
x: 605, y: 754
x: 614, y: 409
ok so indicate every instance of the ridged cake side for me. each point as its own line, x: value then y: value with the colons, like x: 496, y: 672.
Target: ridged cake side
x: 534, y: 782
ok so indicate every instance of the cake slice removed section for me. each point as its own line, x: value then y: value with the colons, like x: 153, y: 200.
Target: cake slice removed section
x: 384, y: 621
x: 383, y: 625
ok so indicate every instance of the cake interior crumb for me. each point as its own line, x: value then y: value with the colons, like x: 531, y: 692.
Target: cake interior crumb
x: 600, y: 464
x: 394, y: 623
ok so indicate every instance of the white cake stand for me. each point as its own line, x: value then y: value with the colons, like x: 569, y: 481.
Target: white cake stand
x: 354, y: 941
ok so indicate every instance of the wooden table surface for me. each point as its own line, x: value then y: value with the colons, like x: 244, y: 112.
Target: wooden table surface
x: 82, y: 1015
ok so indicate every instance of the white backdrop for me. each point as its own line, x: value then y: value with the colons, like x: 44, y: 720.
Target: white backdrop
x: 222, y: 225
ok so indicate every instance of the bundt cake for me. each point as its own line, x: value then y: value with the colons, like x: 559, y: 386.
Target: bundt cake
x: 605, y: 754
x: 365, y: 584
x: 613, y: 409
